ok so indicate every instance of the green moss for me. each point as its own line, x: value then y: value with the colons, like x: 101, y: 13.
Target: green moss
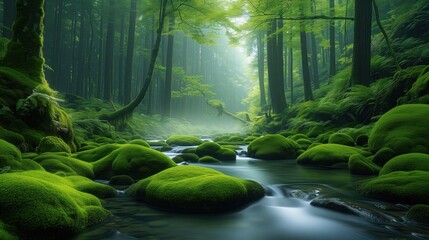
x: 52, y: 144
x: 273, y: 147
x: 324, y: 137
x: 140, y: 142
x: 361, y: 165
x: 383, y: 155
x: 12, y: 137
x: 216, y: 151
x: 10, y: 157
x: 304, y: 143
x: 6, y: 232
x: 329, y: 155
x: 209, y: 160
x: 407, y: 162
x: 398, y: 187
x: 95, y: 154
x: 177, y: 159
x: 32, y: 138
x: 362, y: 140
x: 88, y: 186
x: 418, y: 213
x: 298, y: 136
x: 65, y: 165
x: 133, y: 160
x: 42, y: 205
x: 249, y: 139
x: 195, y: 189
x: 189, y: 157
x: 402, y: 129
x: 235, y: 139
x: 184, y: 140
x: 341, y: 138
x: 121, y: 180
x: 158, y: 144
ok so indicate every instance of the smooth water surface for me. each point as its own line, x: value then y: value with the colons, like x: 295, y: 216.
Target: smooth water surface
x: 285, y: 213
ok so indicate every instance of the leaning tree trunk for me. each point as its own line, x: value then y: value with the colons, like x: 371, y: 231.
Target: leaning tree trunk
x: 127, y: 111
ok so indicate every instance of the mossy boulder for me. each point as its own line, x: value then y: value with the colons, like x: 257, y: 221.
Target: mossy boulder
x: 383, y: 155
x: 121, y: 180
x: 273, y: 147
x: 88, y: 186
x: 41, y: 205
x: 196, y: 189
x: 52, y: 144
x: 209, y: 160
x: 304, y: 143
x: 399, y: 187
x: 133, y: 160
x: 189, y: 157
x: 6, y: 232
x: 216, y: 151
x: 403, y: 129
x: 298, y: 136
x: 418, y: 213
x: 407, y: 162
x: 329, y: 155
x: 184, y: 140
x: 341, y: 138
x: 140, y: 142
x: 249, y: 139
x: 361, y: 165
x: 94, y: 154
x: 11, y: 158
x: 64, y: 165
x: 12, y: 137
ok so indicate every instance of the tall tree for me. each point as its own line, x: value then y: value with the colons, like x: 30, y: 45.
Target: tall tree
x: 130, y: 51
x: 308, y: 93
x: 275, y: 80
x: 261, y: 71
x: 362, y: 43
x: 332, y: 57
x: 108, y: 59
x: 166, y: 110
x: 9, y: 12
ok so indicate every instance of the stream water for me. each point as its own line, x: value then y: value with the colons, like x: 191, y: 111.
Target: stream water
x: 285, y: 213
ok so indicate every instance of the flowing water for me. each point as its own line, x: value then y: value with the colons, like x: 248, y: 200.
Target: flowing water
x: 285, y: 213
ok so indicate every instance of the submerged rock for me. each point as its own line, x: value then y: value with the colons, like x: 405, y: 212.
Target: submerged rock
x: 418, y: 213
x: 196, y: 189
x: 329, y: 155
x: 273, y: 147
x: 40, y: 204
x: 399, y: 187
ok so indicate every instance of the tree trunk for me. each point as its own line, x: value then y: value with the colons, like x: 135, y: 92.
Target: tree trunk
x: 9, y: 14
x: 362, y: 43
x: 166, y: 110
x: 128, y: 110
x: 108, y: 60
x: 275, y: 81
x: 261, y: 71
x: 292, y: 100
x: 130, y: 52
x: 314, y: 62
x: 332, y: 61
x: 308, y: 93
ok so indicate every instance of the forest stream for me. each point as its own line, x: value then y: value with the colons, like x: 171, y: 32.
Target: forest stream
x: 284, y: 213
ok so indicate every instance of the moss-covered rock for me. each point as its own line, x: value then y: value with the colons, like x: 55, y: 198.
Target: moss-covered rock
x: 94, y: 154
x: 184, y: 140
x: 298, y: 136
x: 341, y: 138
x: 418, y: 213
x: 64, y: 165
x: 398, y: 187
x: 249, y: 139
x: 133, y: 160
x: 12, y: 137
x: 209, y: 160
x: 402, y: 129
x: 39, y: 204
x: 189, y: 157
x: 329, y: 155
x: 140, y: 142
x: 361, y: 165
x: 407, y: 162
x: 362, y: 140
x: 304, y: 143
x: 88, y: 186
x: 11, y: 158
x: 196, y: 189
x: 216, y: 151
x: 383, y: 155
x: 273, y: 147
x: 6, y: 232
x: 52, y: 144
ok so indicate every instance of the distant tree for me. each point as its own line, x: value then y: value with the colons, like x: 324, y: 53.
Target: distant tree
x: 261, y: 71
x: 166, y: 109
x: 108, y: 59
x: 130, y: 51
x: 332, y: 58
x: 362, y: 43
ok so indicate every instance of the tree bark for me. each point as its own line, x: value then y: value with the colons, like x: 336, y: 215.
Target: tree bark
x: 261, y: 71
x: 166, y: 110
x: 308, y: 93
x: 332, y: 57
x: 362, y: 43
x: 130, y: 52
x: 108, y: 60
